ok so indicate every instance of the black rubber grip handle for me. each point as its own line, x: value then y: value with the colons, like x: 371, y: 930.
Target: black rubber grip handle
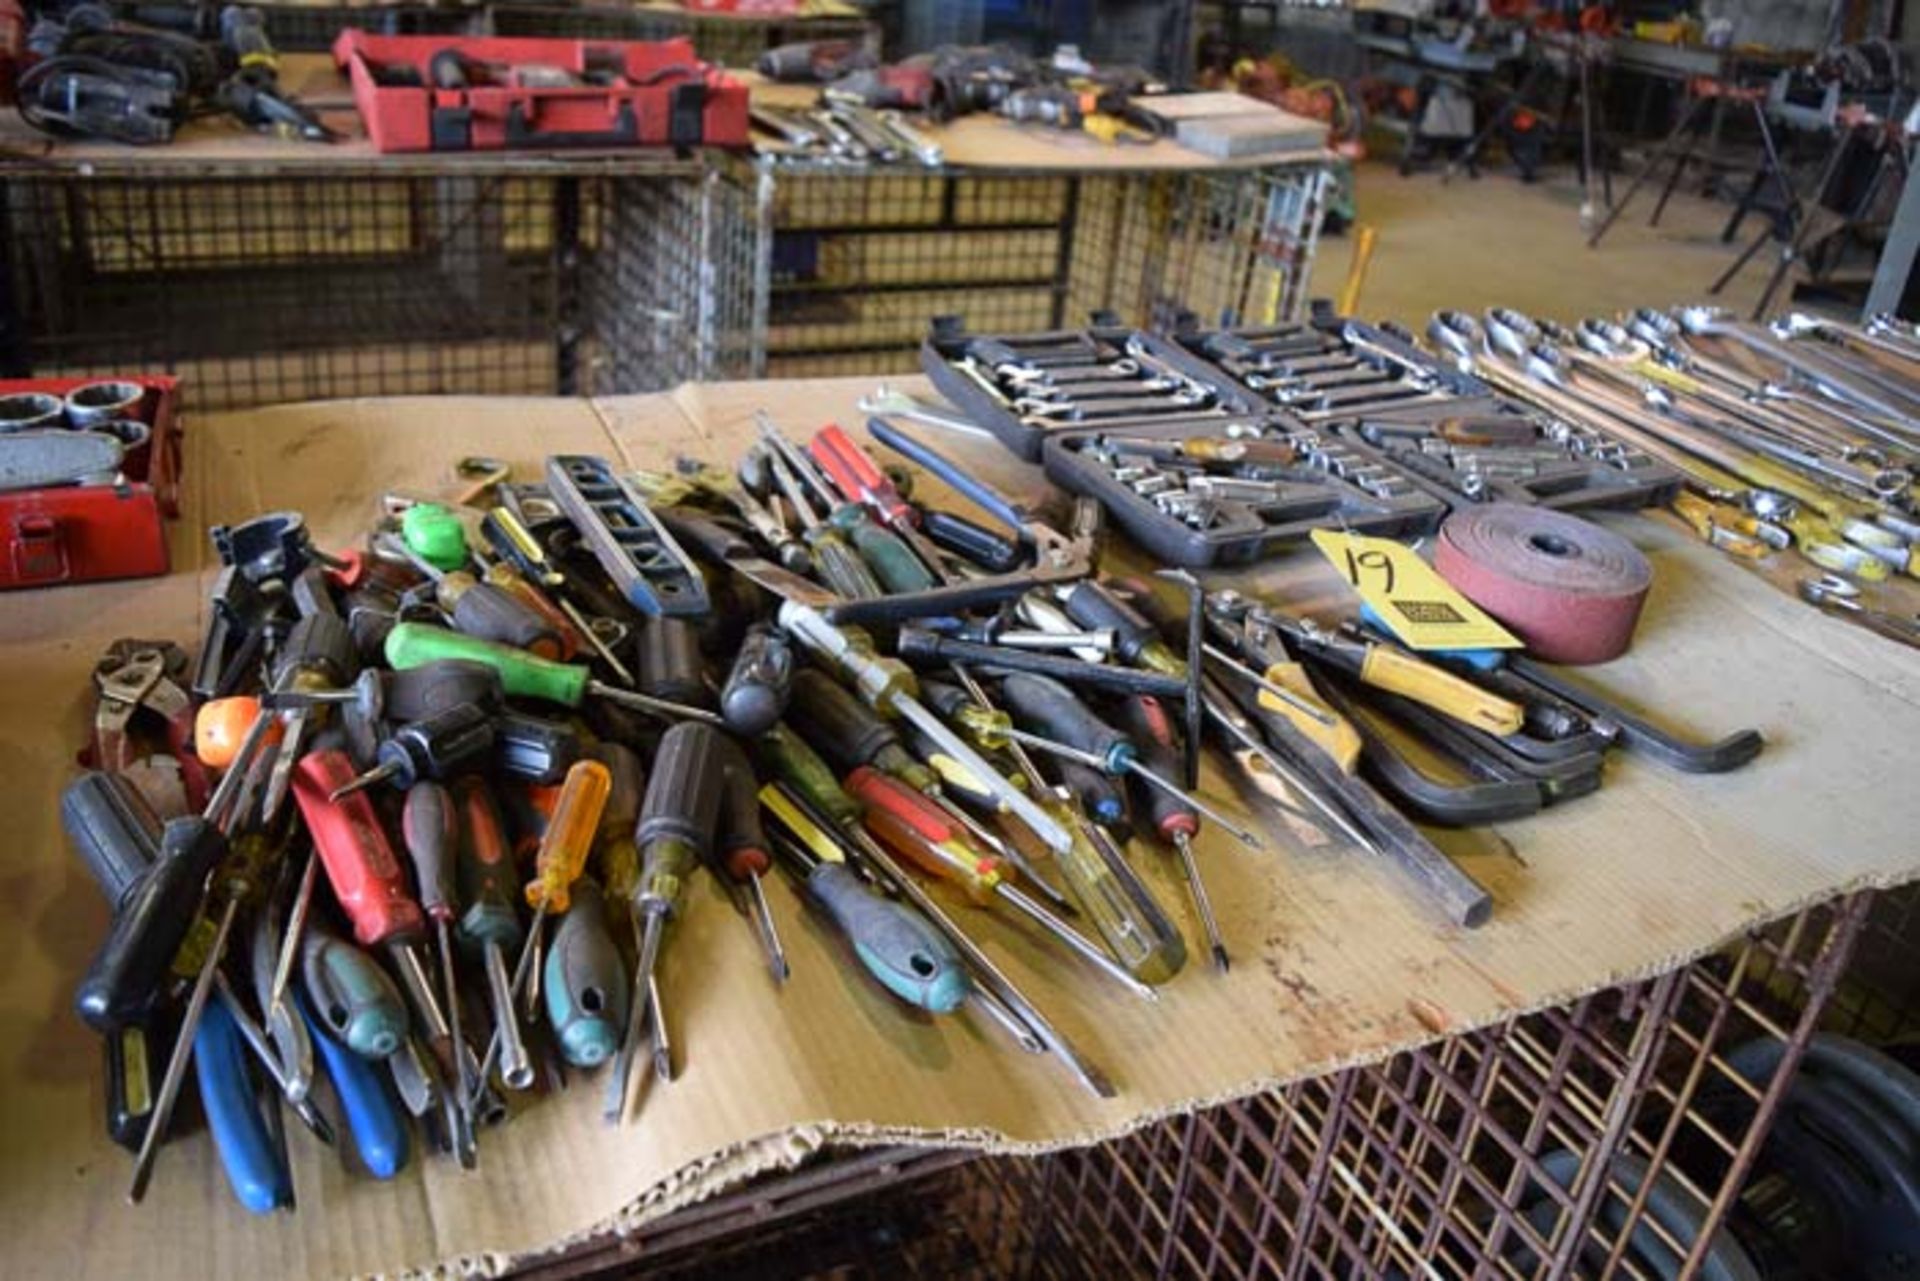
x: 963, y: 537
x: 688, y: 784
x: 629, y: 785
x: 494, y: 614
x: 536, y: 749
x: 114, y: 829
x: 760, y: 683
x: 1150, y: 726
x: 322, y: 644
x: 669, y: 661
x: 149, y: 925
x: 740, y: 840
x: 416, y: 693
x: 837, y: 723
x: 1050, y: 708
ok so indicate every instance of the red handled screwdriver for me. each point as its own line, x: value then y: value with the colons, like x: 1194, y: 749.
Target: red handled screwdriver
x: 1145, y: 720
x: 431, y: 830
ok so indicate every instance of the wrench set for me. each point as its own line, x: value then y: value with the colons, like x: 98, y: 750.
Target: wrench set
x: 1217, y: 448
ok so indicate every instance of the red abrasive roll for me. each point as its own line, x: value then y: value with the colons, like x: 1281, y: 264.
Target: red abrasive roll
x: 1570, y: 590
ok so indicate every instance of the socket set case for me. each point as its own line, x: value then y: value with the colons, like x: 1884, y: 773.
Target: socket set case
x: 1029, y: 387
x: 81, y: 533
x: 1450, y: 433
x: 1215, y: 520
x: 620, y: 93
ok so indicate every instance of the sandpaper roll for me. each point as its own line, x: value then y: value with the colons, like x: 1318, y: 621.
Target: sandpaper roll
x: 1570, y: 590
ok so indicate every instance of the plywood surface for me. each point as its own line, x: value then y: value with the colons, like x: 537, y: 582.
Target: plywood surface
x: 1335, y: 960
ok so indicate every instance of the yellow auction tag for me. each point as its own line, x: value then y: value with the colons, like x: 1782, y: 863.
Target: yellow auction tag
x: 1408, y: 595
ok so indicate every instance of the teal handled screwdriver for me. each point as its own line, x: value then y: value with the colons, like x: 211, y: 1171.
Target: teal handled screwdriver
x: 524, y: 675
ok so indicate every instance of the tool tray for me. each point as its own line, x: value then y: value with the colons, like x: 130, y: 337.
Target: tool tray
x: 82, y: 533
x: 947, y: 358
x: 630, y: 93
x: 1564, y: 467
x: 1313, y: 493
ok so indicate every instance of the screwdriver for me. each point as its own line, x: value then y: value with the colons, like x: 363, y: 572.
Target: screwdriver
x: 430, y: 830
x: 892, y: 562
x: 1128, y: 918
x: 563, y: 851
x: 787, y: 757
x: 1076, y: 733
x: 851, y: 735
x: 429, y: 749
x: 572, y: 637
x: 1387, y: 666
x: 895, y: 944
x: 922, y: 834
x: 435, y: 534
x: 669, y: 662
x: 1042, y: 613
x: 759, y: 683
x: 586, y: 983
x: 740, y: 851
x: 378, y: 695
x: 371, y: 886
x: 481, y: 609
x: 853, y: 473
x: 523, y: 675
x: 1135, y: 639
x: 351, y: 995
x: 675, y: 835
x: 889, y: 687
x: 839, y: 565
x: 188, y: 841
x: 491, y: 922
x: 1147, y: 721
x: 318, y: 655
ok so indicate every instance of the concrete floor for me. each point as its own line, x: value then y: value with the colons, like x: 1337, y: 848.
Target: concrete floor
x: 1495, y: 241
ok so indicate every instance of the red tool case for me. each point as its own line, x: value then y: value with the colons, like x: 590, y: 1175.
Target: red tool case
x: 656, y: 93
x: 77, y: 533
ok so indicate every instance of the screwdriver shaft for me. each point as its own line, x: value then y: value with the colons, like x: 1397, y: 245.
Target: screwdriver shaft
x: 662, y: 1039
x: 1076, y: 942
x: 1004, y: 848
x: 769, y: 933
x: 1292, y: 778
x: 996, y: 1009
x: 1305, y: 707
x: 465, y: 1088
x: 620, y: 1079
x: 657, y: 706
x: 182, y: 1052
x: 600, y: 647
x: 516, y: 1069
x: 1096, y: 761
x: 296, y: 926
x: 1202, y: 901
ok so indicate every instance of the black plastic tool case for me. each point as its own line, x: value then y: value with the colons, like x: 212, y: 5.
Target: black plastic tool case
x: 1104, y: 339
x: 1312, y: 496
x: 1593, y: 472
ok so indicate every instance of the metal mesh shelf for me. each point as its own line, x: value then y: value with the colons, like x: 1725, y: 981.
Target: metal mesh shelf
x: 369, y: 281
x: 1609, y: 1137
x: 858, y: 260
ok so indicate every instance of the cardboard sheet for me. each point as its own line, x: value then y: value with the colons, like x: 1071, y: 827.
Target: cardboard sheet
x: 1335, y: 960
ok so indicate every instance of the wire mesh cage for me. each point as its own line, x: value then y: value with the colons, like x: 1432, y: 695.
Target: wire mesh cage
x: 856, y: 261
x: 385, y: 281
x: 1627, y: 1134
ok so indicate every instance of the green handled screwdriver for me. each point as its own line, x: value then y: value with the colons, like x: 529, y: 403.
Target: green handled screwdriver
x: 524, y: 675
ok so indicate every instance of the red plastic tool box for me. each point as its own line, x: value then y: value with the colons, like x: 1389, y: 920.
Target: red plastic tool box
x: 78, y: 533
x: 436, y: 93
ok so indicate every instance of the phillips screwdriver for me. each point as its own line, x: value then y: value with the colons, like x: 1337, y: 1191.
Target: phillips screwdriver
x: 895, y: 944
x: 1074, y: 732
x: 740, y: 851
x: 491, y: 922
x: 428, y: 749
x: 479, y: 608
x: 430, y: 830
x: 523, y: 675
x: 675, y: 835
x: 1147, y: 721
x: 922, y: 834
x: 854, y: 474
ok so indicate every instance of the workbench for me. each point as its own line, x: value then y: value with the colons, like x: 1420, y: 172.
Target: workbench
x: 1337, y: 962
x: 594, y: 272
